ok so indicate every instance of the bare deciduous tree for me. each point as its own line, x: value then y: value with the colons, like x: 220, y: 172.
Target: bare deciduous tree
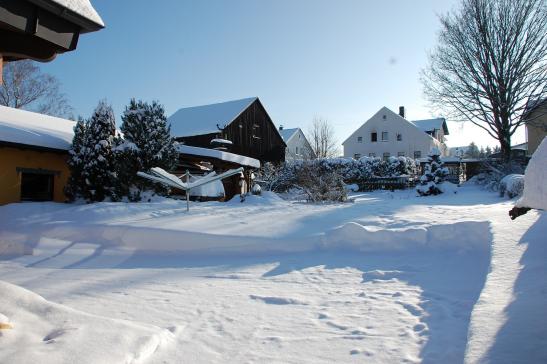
x: 490, y: 62
x: 26, y: 87
x: 322, y: 139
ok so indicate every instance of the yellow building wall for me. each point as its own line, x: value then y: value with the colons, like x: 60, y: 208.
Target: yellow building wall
x: 10, y: 179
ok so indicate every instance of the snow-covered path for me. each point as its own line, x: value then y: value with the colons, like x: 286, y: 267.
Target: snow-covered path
x: 319, y: 295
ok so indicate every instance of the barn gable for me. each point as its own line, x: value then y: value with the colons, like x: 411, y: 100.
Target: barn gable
x: 243, y: 122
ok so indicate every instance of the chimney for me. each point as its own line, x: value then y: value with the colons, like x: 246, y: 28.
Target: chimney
x: 280, y: 127
x: 402, y: 111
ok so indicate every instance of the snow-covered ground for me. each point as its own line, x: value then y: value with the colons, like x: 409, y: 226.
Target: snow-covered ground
x: 389, y: 278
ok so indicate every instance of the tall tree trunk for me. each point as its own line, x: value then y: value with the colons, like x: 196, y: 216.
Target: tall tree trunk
x: 505, y: 145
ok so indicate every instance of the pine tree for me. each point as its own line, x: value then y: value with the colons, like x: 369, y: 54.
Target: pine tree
x: 76, y: 161
x: 434, y: 175
x: 98, y: 170
x: 472, y: 151
x: 147, y: 143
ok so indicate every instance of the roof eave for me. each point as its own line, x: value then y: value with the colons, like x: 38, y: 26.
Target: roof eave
x: 32, y: 147
x: 87, y: 25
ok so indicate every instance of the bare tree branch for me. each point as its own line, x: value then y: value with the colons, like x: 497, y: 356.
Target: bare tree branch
x: 322, y: 140
x: 26, y: 87
x: 490, y: 62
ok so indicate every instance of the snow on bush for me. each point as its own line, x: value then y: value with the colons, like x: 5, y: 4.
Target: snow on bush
x: 319, y: 187
x: 535, y: 180
x: 146, y: 143
x: 98, y: 170
x: 353, y: 172
x: 434, y: 175
x: 511, y: 185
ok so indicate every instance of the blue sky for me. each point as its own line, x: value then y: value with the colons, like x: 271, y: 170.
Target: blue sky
x: 340, y: 60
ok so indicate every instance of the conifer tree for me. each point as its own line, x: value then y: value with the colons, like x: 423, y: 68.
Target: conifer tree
x: 98, y: 169
x: 147, y: 143
x: 434, y: 175
x: 76, y: 161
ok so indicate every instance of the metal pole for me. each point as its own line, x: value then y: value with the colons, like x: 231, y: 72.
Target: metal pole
x: 187, y: 192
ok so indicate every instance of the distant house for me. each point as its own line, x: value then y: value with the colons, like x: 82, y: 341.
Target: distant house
x: 387, y: 134
x: 298, y: 146
x: 241, y: 127
x: 535, y: 119
x: 33, y: 155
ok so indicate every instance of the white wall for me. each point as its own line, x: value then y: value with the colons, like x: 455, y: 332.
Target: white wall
x: 298, y: 140
x: 385, y: 120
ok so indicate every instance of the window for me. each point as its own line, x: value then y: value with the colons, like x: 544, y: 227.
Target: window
x: 359, y: 139
x: 384, y: 117
x: 372, y: 155
x: 400, y: 154
x: 386, y: 156
x: 399, y: 137
x: 296, y: 150
x: 417, y: 154
x: 357, y: 156
x: 373, y: 137
x: 36, y: 186
x: 384, y: 136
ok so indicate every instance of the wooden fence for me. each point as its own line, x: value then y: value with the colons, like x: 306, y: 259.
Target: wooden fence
x: 388, y: 183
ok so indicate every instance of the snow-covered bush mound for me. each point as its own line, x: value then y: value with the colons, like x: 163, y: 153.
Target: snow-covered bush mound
x: 44, y: 331
x: 511, y: 185
x: 462, y: 236
x: 535, y: 180
x: 264, y: 198
x: 434, y: 175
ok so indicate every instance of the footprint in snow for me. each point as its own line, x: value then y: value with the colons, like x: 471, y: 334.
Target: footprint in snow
x: 49, y: 338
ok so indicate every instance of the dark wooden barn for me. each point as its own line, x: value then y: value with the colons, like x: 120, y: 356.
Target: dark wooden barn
x: 241, y: 126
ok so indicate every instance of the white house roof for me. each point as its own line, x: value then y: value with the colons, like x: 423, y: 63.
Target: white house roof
x: 218, y: 154
x: 424, y: 125
x: 287, y: 134
x: 431, y: 124
x: 33, y: 129
x: 206, y: 119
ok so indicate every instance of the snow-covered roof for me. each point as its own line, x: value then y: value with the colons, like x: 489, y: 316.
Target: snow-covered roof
x: 81, y: 8
x: 521, y: 146
x: 33, y: 129
x: 431, y: 124
x: 221, y: 141
x: 287, y: 134
x: 206, y: 119
x: 218, y: 154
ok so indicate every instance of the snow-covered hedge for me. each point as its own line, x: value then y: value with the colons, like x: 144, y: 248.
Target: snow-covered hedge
x: 351, y: 171
x: 511, y: 185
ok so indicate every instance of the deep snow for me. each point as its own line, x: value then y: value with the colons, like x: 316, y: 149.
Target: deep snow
x: 388, y: 278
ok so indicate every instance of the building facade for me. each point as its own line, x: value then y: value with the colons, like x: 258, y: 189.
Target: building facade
x: 33, y: 155
x: 243, y: 125
x: 535, y: 120
x: 388, y: 134
x: 298, y: 146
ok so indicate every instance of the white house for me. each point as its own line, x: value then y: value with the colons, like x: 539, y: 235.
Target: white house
x: 388, y: 134
x: 298, y: 146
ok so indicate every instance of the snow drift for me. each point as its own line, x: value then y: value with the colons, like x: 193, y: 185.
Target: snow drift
x: 64, y: 335
x: 535, y: 187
